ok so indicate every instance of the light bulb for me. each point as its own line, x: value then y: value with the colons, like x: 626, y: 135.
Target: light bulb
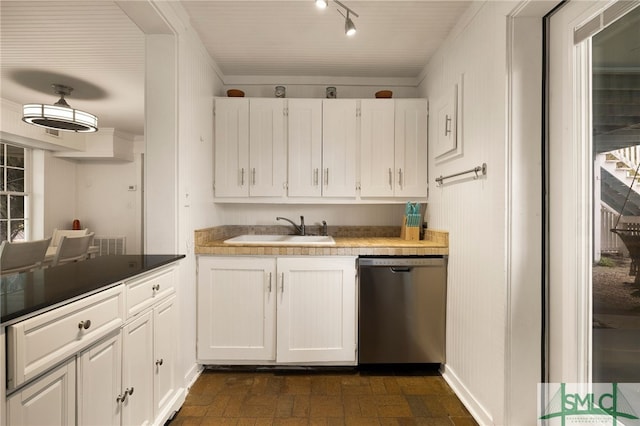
x: 322, y: 4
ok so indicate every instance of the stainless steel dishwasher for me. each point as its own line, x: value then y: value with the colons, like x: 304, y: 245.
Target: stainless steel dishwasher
x: 402, y: 310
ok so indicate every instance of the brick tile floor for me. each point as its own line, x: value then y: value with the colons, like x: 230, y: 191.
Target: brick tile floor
x: 321, y: 397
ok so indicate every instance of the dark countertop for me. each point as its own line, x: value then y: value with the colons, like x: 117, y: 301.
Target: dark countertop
x: 28, y: 293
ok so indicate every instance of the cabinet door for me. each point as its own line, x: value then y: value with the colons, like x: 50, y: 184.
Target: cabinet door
x: 316, y: 309
x: 231, y: 147
x: 339, y: 147
x: 377, y: 147
x: 50, y: 400
x: 236, y: 309
x: 165, y: 318
x: 411, y: 147
x: 99, y: 383
x: 137, y: 371
x: 305, y: 147
x: 267, y: 148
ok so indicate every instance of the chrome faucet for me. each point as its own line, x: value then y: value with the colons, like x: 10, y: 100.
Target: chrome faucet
x: 299, y: 228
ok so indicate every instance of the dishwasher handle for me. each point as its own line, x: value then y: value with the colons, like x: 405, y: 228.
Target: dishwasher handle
x: 400, y: 269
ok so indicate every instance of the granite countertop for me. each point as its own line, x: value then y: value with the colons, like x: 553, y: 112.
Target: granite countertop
x: 350, y: 241
x: 28, y: 293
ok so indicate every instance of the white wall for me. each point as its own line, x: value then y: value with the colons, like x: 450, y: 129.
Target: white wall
x: 494, y: 223
x: 343, y: 214
x: 60, y: 195
x: 105, y: 204
x: 350, y: 88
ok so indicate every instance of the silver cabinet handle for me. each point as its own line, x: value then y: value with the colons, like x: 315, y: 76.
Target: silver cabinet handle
x: 242, y: 176
x: 390, y: 178
x: 269, y: 282
x: 84, y: 324
x: 159, y: 362
x: 123, y: 397
x: 400, y: 178
x: 326, y: 176
x: 155, y: 287
x: 282, y: 283
x: 315, y: 177
x: 447, y: 125
x: 253, y: 176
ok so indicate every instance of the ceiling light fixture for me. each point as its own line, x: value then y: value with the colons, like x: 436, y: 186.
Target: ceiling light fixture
x: 349, y: 26
x: 60, y: 116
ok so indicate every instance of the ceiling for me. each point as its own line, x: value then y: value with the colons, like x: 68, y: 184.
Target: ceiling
x: 92, y: 46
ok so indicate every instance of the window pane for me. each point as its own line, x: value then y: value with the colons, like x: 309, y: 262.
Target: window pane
x: 3, y: 207
x: 2, y: 187
x: 616, y: 146
x: 15, y: 156
x: 2, y: 154
x: 16, y: 205
x: 3, y: 229
x: 17, y: 230
x: 15, y: 180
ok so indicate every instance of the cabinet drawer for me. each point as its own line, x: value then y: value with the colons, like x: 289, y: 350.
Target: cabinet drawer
x: 145, y: 291
x: 39, y: 343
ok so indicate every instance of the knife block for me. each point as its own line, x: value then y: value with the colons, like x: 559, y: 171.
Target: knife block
x: 409, y: 233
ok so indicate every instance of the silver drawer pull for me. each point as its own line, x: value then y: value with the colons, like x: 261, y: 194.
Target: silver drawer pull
x: 129, y: 391
x: 156, y: 287
x: 158, y: 362
x: 122, y: 398
x: 84, y: 324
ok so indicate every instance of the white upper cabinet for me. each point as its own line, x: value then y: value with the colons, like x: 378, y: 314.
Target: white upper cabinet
x: 377, y: 166
x: 411, y: 147
x: 267, y: 148
x: 250, y: 147
x: 339, y: 133
x: 305, y: 150
x: 231, y: 156
x: 393, y: 148
x: 305, y: 147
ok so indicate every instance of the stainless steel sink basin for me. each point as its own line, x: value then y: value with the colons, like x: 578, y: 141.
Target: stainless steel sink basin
x: 282, y: 240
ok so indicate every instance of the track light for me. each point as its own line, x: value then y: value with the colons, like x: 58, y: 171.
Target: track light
x: 349, y: 26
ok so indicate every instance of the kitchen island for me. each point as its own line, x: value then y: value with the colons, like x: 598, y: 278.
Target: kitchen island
x: 74, y: 340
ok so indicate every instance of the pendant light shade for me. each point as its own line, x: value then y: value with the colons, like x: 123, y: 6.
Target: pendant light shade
x: 59, y: 116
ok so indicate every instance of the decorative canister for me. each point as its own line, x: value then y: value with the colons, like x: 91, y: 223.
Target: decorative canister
x: 332, y: 93
x: 281, y: 92
x: 76, y: 225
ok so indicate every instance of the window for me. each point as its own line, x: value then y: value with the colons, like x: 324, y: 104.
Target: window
x: 13, y: 193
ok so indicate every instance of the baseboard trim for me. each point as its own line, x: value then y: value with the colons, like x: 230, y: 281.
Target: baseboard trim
x: 478, y: 412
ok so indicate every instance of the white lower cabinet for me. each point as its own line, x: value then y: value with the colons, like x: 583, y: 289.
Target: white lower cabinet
x: 311, y: 301
x: 48, y: 401
x: 165, y: 318
x: 137, y: 371
x: 99, y: 378
x: 123, y: 376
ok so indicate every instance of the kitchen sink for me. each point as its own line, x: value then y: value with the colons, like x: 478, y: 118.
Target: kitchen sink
x: 282, y: 240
